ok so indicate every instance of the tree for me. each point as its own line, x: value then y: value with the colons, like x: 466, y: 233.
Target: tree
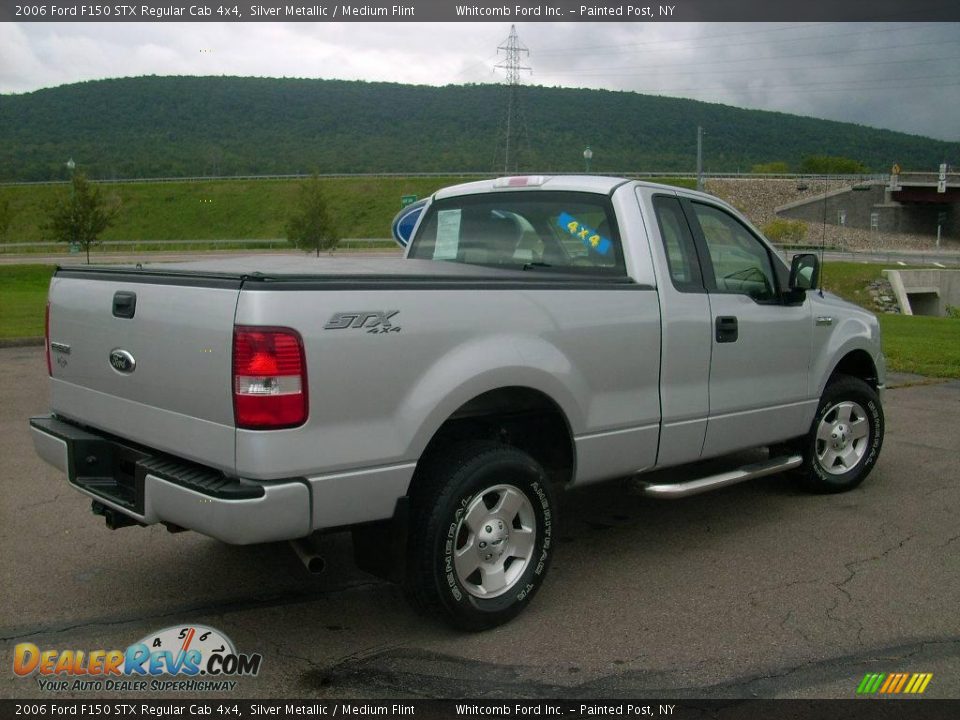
x: 831, y: 165
x: 777, y: 167
x: 781, y: 229
x: 82, y: 215
x: 311, y: 226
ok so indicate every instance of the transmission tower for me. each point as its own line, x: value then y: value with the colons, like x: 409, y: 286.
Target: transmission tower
x: 514, y: 134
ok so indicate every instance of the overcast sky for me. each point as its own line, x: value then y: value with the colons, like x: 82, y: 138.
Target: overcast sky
x: 900, y: 76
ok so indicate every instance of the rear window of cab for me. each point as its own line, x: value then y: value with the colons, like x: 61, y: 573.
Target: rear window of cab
x: 568, y: 231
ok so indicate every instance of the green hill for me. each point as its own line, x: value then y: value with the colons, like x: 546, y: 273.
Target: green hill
x: 223, y: 126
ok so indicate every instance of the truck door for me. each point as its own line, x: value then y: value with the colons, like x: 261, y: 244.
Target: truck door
x: 760, y: 345
x: 685, y: 335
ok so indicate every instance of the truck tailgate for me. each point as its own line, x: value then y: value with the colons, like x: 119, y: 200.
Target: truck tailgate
x: 146, y: 356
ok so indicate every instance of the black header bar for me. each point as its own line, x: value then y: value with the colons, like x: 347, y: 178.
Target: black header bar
x: 639, y: 11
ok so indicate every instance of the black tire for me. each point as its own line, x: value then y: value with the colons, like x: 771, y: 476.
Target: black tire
x: 448, y: 486
x: 822, y: 470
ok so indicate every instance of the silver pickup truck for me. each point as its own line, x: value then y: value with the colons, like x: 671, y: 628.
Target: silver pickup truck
x: 541, y: 333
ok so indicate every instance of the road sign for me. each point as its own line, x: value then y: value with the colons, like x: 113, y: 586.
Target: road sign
x: 942, y: 181
x: 406, y: 220
x: 407, y: 200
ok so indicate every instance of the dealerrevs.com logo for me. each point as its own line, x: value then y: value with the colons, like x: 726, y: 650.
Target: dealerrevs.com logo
x: 192, y: 658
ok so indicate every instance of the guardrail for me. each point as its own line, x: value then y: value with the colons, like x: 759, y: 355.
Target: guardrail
x: 466, y: 174
x: 940, y: 259
x: 212, y: 244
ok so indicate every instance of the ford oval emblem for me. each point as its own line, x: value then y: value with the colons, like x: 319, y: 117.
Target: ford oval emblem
x: 122, y: 361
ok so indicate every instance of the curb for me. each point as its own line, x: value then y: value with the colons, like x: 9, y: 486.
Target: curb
x: 21, y: 342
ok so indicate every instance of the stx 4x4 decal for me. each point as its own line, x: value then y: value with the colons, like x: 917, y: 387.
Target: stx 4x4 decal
x: 375, y: 322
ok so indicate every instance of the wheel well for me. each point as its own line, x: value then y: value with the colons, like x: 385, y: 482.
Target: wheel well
x: 858, y: 363
x: 519, y: 416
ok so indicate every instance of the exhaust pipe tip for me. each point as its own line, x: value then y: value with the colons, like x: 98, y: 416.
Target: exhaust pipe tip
x: 312, y: 561
x: 316, y: 565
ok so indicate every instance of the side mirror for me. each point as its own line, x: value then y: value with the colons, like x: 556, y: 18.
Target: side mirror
x: 804, y: 272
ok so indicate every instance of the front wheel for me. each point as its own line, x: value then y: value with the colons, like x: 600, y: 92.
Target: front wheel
x: 481, y: 537
x: 846, y: 436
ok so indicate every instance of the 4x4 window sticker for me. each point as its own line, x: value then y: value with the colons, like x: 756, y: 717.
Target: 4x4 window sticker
x: 590, y: 237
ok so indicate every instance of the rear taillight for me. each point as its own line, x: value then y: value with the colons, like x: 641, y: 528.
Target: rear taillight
x: 269, y: 378
x: 46, y: 338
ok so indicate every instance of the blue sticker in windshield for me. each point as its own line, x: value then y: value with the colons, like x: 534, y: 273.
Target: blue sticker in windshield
x: 590, y: 237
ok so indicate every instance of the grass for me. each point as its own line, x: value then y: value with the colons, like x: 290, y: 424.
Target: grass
x: 922, y: 345
x: 224, y: 209
x: 228, y: 209
x: 849, y: 280
x: 23, y: 297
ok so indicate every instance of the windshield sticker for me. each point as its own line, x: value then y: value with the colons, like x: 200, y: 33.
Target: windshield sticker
x: 590, y: 237
x: 448, y: 235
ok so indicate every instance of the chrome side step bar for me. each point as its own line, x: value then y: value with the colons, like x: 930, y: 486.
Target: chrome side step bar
x: 672, y: 491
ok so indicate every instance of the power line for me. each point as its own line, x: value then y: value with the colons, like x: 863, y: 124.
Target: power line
x: 712, y: 62
x: 753, y: 75
x: 792, y: 90
x: 696, y: 44
x: 468, y: 68
x: 855, y: 83
x: 834, y: 66
x: 647, y: 43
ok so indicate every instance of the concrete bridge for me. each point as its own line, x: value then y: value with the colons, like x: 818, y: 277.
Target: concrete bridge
x: 910, y: 203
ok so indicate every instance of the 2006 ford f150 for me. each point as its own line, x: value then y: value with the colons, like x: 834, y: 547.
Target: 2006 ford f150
x: 541, y: 333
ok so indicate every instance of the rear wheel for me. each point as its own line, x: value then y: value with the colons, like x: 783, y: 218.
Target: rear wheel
x: 846, y: 436
x: 481, y: 537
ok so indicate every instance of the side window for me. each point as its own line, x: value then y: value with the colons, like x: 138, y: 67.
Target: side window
x: 741, y: 264
x: 678, y: 244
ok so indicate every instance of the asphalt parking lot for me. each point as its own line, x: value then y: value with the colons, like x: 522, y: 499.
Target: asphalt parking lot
x: 758, y: 590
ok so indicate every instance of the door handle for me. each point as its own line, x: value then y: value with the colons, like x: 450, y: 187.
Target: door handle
x: 727, y: 330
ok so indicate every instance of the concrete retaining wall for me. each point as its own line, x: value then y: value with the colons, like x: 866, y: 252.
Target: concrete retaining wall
x: 925, y: 292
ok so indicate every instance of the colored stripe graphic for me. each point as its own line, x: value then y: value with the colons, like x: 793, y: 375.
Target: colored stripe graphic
x: 871, y: 683
x: 894, y: 683
x: 901, y: 683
